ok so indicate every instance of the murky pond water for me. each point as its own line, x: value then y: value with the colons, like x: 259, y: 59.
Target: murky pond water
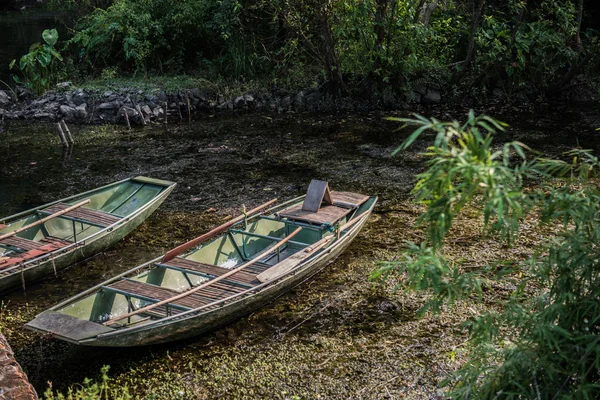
x: 220, y: 163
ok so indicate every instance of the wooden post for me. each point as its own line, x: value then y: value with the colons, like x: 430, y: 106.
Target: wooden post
x: 139, y: 110
x: 166, y: 114
x: 61, y: 136
x: 127, y: 118
x: 187, y: 99
x: 67, y: 132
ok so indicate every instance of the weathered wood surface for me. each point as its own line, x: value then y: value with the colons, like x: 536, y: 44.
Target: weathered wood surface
x: 41, y: 221
x: 291, y: 262
x: 316, y: 193
x: 212, y: 271
x: 348, y: 199
x: 208, y: 283
x: 296, y: 259
x: 13, y: 381
x: 209, y: 235
x: 86, y: 214
x: 326, y: 215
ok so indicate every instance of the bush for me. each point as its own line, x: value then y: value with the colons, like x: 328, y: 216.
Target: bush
x: 544, y: 342
x: 39, y: 65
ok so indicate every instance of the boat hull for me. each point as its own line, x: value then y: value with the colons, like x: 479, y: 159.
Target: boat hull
x: 194, y: 324
x: 52, y: 265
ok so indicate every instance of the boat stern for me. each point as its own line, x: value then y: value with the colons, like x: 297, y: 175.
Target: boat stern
x: 66, y: 327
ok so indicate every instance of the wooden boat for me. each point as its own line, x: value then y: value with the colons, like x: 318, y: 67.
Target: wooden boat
x: 213, y: 279
x: 46, y: 239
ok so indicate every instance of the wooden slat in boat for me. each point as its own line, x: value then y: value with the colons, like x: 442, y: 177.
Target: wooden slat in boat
x: 32, y: 249
x: 145, y: 290
x: 212, y: 271
x: 21, y: 243
x: 85, y: 214
x: 348, y: 199
x: 325, y: 215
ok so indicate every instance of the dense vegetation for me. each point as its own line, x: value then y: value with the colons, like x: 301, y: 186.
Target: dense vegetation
x: 543, y: 342
x: 354, y: 46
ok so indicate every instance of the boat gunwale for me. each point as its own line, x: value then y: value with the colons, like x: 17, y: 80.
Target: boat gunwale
x: 140, y: 267
x: 241, y: 295
x: 27, y: 265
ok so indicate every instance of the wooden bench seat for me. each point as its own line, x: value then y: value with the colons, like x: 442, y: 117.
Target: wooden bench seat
x: 242, y: 278
x: 29, y: 249
x: 325, y: 215
x: 154, y: 293
x: 348, y: 199
x: 93, y: 217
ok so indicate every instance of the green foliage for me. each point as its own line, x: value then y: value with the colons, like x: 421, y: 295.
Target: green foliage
x: 91, y: 390
x: 544, y: 341
x: 39, y: 65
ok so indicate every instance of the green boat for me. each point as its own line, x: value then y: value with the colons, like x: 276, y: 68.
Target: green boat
x: 41, y: 241
x: 214, y: 279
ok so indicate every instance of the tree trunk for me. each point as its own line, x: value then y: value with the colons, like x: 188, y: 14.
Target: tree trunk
x: 331, y: 60
x: 477, y: 16
x: 579, y: 18
x: 428, y: 9
x: 380, y: 33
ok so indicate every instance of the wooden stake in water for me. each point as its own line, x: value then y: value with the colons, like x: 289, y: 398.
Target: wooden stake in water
x: 166, y: 114
x: 67, y: 132
x: 187, y: 99
x: 139, y: 110
x: 127, y: 119
x: 61, y: 136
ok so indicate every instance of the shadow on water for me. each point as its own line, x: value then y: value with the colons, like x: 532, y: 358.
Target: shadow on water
x: 221, y: 163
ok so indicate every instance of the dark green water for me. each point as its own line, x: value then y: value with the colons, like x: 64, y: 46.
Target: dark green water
x: 220, y: 163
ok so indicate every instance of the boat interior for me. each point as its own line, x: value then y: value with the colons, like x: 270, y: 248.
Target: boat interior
x: 243, y: 243
x: 106, y: 207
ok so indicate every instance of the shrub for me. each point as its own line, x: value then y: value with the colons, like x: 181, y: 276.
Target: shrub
x: 544, y: 342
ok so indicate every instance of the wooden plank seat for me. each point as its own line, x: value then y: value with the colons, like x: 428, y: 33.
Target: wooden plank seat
x: 153, y: 293
x: 85, y: 215
x: 241, y: 278
x: 29, y: 249
x: 325, y: 215
x: 348, y: 199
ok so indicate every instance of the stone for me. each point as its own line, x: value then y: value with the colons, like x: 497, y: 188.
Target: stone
x: 132, y: 114
x: 51, y: 107
x: 108, y: 94
x: 433, y: 96
x: 421, y: 88
x: 38, y: 103
x: 40, y: 115
x: 67, y: 112
x: 63, y: 85
x: 80, y: 97
x: 162, y: 96
x: 5, y: 99
x: 106, y: 106
x: 286, y: 102
x: 146, y: 109
x: 239, y: 102
x: 299, y: 100
x: 81, y: 111
x: 13, y: 381
x: 158, y: 112
x: 312, y: 100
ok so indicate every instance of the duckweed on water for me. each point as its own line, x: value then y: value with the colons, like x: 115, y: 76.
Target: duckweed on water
x: 336, y: 336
